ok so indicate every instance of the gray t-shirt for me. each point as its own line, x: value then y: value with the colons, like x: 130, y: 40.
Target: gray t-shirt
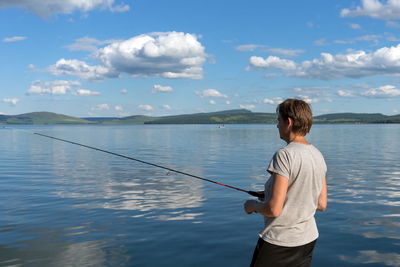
x: 305, y: 168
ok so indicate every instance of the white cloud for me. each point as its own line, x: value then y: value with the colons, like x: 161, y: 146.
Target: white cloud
x: 83, y: 92
x: 313, y: 94
x: 308, y: 99
x: 212, y: 102
x: 88, y: 44
x: 247, y: 106
x: 14, y: 38
x: 210, y: 93
x: 272, y: 62
x: 145, y: 107
x: 393, y: 24
x: 355, y: 26
x: 118, y: 108
x: 263, y: 48
x: 370, y: 37
x: 273, y: 101
x: 47, y: 8
x: 11, y: 101
x: 162, y: 89
x: 382, y: 91
x: 345, y: 93
x: 120, y: 8
x: 101, y: 107
x: 367, y: 38
x: 228, y: 102
x: 248, y: 47
x: 320, y: 42
x: 167, y: 107
x: 124, y: 91
x: 286, y: 52
x: 311, y: 24
x: 376, y: 9
x: 58, y: 87
x: 163, y: 54
x: 81, y: 69
x: 354, y: 64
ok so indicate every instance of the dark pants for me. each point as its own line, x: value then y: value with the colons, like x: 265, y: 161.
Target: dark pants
x: 269, y: 255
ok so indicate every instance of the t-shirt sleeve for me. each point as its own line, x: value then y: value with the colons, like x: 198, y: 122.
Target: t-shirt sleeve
x: 280, y: 164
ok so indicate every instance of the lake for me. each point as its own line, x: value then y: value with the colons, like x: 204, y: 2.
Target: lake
x: 65, y: 205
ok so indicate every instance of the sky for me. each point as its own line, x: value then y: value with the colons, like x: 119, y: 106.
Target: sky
x: 92, y: 58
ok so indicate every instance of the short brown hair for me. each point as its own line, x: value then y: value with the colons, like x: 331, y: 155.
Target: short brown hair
x: 299, y: 111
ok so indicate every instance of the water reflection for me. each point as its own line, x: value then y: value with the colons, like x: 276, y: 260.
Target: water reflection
x: 373, y: 256
x: 81, y: 254
x: 169, y: 195
x: 47, y: 253
x: 120, y: 184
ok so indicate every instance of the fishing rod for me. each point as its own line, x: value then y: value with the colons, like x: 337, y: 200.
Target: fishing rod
x: 252, y: 193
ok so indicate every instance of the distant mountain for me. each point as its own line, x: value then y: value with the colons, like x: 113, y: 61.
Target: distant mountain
x: 137, y: 119
x: 41, y: 118
x: 356, y: 118
x: 100, y: 119
x: 3, y: 118
x: 392, y: 119
x: 236, y: 116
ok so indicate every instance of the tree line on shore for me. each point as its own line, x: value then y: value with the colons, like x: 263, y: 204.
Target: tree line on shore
x: 239, y: 116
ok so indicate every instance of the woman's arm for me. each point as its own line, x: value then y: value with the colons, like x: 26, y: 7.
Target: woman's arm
x: 323, y: 197
x: 273, y: 207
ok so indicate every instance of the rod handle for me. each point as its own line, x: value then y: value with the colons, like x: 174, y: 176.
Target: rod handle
x: 256, y: 194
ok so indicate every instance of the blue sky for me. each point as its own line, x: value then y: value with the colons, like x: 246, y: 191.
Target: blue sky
x: 120, y: 58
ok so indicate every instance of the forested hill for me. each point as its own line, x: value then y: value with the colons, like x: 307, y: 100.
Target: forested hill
x: 241, y: 116
x: 238, y: 116
x: 40, y: 118
x: 357, y: 118
x: 248, y: 117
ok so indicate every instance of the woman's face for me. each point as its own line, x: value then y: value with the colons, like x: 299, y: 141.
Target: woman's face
x: 283, y: 127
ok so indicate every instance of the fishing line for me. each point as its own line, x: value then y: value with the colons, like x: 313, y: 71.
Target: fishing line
x: 252, y: 193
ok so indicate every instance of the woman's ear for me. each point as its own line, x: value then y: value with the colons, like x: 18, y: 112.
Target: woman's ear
x: 290, y: 123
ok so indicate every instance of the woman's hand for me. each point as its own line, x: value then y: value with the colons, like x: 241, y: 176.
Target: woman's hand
x: 250, y: 206
x: 274, y: 206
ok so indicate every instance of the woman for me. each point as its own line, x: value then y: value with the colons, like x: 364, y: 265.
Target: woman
x: 296, y: 189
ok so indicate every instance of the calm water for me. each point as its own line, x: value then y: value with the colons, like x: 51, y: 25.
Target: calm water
x: 63, y: 205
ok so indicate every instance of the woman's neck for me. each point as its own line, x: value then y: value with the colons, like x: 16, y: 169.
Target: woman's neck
x: 298, y: 139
